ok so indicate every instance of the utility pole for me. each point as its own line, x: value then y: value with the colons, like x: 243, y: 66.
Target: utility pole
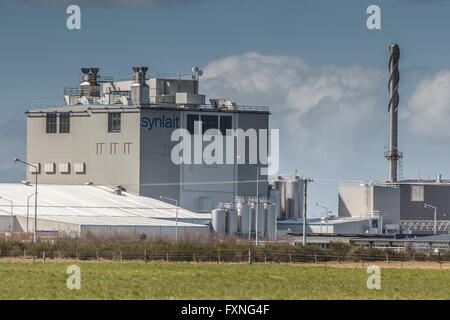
x: 305, y: 192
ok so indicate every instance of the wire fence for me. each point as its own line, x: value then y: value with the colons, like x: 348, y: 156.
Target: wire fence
x: 251, y: 255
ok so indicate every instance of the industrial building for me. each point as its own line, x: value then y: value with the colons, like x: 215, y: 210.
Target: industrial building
x: 105, y: 164
x: 104, y: 160
x: 395, y: 206
x: 74, y: 210
x: 118, y: 133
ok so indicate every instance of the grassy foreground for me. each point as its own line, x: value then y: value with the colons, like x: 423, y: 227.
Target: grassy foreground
x: 138, y: 280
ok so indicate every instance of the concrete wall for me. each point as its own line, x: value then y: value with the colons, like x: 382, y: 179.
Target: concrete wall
x: 355, y: 201
x: 248, y: 171
x: 159, y: 176
x: 88, y: 133
x: 139, y: 156
x: 386, y: 200
x: 435, y: 195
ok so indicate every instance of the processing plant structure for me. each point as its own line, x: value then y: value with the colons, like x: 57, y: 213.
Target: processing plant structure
x: 104, y: 164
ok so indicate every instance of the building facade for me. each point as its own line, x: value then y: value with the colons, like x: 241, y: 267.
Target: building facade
x: 122, y: 135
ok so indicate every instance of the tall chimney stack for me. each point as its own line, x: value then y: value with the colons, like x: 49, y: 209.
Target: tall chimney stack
x: 393, y: 155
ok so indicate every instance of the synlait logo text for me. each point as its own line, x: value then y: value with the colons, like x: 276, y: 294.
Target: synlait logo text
x: 160, y: 122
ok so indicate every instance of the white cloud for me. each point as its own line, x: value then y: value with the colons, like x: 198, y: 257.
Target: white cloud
x: 326, y: 114
x: 429, y: 106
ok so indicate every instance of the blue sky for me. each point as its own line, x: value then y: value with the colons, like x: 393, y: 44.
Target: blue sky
x: 333, y: 131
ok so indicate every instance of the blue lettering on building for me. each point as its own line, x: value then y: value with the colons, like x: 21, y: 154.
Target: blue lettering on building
x: 160, y: 122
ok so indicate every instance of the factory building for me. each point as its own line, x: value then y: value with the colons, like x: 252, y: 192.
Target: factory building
x: 393, y: 206
x: 118, y: 133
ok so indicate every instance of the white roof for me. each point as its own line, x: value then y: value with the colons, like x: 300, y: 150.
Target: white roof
x: 92, y: 205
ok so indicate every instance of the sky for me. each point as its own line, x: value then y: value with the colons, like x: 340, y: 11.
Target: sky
x: 317, y: 66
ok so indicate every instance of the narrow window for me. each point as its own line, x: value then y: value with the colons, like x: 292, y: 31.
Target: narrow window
x: 113, y: 148
x: 209, y: 122
x: 114, y: 122
x: 100, y: 148
x: 126, y: 147
x: 417, y: 193
x: 64, y: 123
x: 225, y: 123
x: 191, y: 118
x: 51, y: 123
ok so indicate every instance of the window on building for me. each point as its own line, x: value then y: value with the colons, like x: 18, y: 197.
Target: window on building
x: 113, y: 148
x: 114, y: 122
x: 417, y: 193
x: 100, y: 148
x: 126, y: 148
x: 191, y: 118
x: 209, y: 122
x: 64, y: 123
x: 374, y: 224
x: 51, y: 123
x: 225, y: 124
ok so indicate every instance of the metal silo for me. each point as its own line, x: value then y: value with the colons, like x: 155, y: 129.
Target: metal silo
x: 270, y: 221
x: 243, y: 211
x: 294, y: 203
x: 275, y: 198
x: 231, y: 221
x: 260, y: 218
x: 218, y: 220
x: 280, y: 184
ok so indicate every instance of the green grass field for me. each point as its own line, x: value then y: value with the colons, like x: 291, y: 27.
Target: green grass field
x: 136, y: 280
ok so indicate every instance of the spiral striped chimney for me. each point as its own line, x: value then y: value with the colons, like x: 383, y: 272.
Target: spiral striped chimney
x: 393, y: 155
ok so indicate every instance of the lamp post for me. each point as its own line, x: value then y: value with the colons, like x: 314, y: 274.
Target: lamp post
x: 257, y: 203
x: 11, y: 214
x: 429, y: 206
x: 28, y: 209
x: 176, y: 217
x: 35, y: 194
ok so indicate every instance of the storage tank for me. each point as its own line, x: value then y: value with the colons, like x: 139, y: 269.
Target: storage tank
x: 280, y: 184
x: 231, y: 221
x: 275, y: 199
x: 243, y: 211
x: 260, y: 218
x: 270, y: 221
x: 218, y: 220
x: 294, y: 204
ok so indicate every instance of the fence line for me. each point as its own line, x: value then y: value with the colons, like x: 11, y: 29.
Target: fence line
x: 225, y: 255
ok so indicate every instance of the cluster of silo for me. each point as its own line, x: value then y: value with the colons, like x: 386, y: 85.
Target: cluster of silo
x: 288, y: 192
x: 247, y: 218
x: 224, y: 219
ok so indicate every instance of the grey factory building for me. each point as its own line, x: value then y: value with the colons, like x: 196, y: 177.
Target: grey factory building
x: 118, y: 133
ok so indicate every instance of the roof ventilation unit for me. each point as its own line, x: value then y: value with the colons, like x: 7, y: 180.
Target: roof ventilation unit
x: 140, y: 92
